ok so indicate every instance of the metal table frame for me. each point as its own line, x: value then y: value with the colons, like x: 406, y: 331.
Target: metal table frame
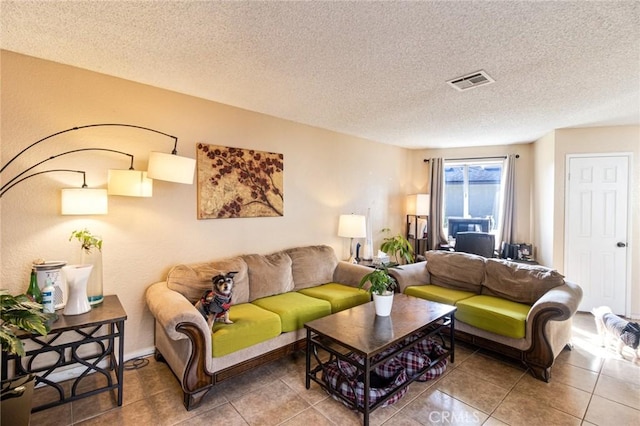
x: 323, y: 338
x: 102, y: 327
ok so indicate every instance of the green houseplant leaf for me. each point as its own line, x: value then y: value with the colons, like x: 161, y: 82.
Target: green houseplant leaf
x: 87, y: 240
x: 20, y: 313
x: 381, y: 282
x: 398, y: 246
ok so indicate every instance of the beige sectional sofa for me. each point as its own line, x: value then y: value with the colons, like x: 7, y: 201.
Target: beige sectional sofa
x: 522, y: 311
x: 274, y: 295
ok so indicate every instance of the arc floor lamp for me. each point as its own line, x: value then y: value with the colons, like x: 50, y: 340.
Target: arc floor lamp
x: 161, y: 166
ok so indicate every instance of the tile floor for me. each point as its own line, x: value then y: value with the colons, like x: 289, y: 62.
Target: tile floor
x: 590, y: 386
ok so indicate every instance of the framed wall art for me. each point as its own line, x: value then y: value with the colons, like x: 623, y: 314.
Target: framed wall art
x: 235, y: 182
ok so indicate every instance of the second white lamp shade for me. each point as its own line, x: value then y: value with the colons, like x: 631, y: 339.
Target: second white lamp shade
x: 130, y: 183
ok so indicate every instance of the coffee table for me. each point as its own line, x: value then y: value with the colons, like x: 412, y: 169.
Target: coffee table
x: 358, y: 330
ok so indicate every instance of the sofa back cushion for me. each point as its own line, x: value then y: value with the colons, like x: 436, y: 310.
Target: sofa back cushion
x: 194, y: 279
x: 459, y: 271
x: 312, y: 266
x: 269, y: 275
x: 519, y: 282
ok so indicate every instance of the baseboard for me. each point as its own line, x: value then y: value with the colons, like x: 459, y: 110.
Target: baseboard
x: 142, y: 353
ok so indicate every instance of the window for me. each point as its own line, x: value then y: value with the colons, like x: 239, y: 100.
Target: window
x: 472, y: 191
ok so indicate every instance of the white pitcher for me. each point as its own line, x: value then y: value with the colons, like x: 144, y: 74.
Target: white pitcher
x: 77, y: 277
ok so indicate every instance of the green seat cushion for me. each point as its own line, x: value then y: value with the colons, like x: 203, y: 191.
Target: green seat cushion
x: 439, y: 294
x: 494, y: 314
x: 340, y: 296
x: 294, y: 309
x: 251, y: 325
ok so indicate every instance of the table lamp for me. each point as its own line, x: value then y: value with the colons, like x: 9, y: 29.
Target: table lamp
x: 352, y: 226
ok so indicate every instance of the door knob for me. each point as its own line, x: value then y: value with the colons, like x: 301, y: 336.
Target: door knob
x: 621, y: 244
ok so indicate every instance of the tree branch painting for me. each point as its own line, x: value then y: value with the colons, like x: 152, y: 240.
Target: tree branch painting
x: 235, y: 182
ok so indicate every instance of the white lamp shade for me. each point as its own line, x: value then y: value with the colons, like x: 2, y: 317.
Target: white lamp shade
x: 130, y: 183
x: 84, y: 201
x: 171, y: 167
x: 418, y: 204
x: 352, y: 226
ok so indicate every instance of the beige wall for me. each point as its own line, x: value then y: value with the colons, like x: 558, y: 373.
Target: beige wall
x: 543, y: 198
x: 325, y: 174
x: 621, y: 139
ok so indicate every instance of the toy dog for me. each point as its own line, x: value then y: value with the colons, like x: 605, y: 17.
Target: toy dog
x: 214, y: 304
x: 610, y: 325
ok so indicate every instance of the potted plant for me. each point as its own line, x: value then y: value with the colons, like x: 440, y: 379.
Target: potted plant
x: 19, y: 313
x: 381, y: 287
x: 399, y: 246
x: 91, y: 253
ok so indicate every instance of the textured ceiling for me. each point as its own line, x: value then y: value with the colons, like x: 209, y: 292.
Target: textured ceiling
x: 371, y: 69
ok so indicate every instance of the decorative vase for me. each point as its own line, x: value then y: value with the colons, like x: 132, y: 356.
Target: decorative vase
x: 94, y: 286
x: 77, y: 277
x: 383, y: 304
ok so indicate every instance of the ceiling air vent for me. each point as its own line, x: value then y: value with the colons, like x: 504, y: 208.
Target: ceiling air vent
x: 470, y: 81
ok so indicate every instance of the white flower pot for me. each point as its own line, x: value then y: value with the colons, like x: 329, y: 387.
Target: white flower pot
x: 383, y: 304
x: 77, y: 277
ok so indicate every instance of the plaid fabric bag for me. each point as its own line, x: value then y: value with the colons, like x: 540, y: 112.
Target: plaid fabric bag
x: 415, y: 359
x: 342, y: 377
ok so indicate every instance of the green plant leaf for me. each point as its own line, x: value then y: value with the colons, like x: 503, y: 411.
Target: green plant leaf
x: 20, y: 313
x: 379, y: 279
x: 87, y: 239
x: 399, y: 247
x: 10, y: 343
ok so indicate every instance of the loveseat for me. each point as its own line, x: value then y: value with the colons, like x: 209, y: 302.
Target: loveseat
x: 273, y: 296
x: 522, y: 311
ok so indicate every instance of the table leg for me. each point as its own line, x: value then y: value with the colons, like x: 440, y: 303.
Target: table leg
x: 120, y: 326
x: 308, y: 369
x: 367, y: 388
x: 451, y: 337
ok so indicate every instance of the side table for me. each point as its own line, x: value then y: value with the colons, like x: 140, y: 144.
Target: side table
x: 90, y: 340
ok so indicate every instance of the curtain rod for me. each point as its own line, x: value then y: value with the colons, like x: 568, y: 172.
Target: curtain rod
x: 426, y: 160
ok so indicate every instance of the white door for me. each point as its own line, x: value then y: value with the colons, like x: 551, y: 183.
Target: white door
x: 596, y: 229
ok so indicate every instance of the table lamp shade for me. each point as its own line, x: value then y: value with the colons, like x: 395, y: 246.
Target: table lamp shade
x: 352, y: 226
x: 418, y: 204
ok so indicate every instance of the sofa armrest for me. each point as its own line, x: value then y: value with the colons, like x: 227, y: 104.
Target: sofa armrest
x: 349, y: 273
x: 187, y: 341
x: 564, y: 299
x: 411, y: 274
x: 545, y: 320
x: 172, y: 309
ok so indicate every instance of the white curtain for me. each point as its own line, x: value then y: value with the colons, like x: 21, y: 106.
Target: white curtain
x: 436, y: 220
x: 507, y: 219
